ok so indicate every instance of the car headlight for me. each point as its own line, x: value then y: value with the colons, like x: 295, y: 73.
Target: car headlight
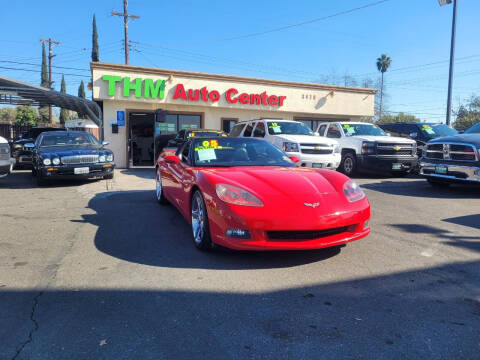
x: 336, y: 149
x: 101, y: 158
x: 368, y: 147
x: 290, y: 147
x: 352, y: 191
x: 235, y: 195
x: 56, y: 161
x: 47, y: 161
x: 110, y: 157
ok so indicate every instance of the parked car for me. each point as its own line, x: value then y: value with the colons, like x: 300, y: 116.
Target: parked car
x: 420, y: 132
x: 366, y: 147
x: 70, y: 155
x: 22, y: 155
x: 474, y: 129
x: 6, y: 161
x: 295, y: 139
x: 452, y: 159
x: 185, y: 134
x: 245, y: 194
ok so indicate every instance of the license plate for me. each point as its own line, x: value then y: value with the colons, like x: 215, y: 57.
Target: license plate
x: 317, y: 165
x: 441, y: 169
x: 82, y: 170
x: 396, y: 166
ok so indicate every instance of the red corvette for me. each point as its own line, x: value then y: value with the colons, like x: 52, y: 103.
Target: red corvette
x: 245, y: 194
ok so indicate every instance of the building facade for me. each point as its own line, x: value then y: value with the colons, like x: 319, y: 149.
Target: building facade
x: 141, y: 104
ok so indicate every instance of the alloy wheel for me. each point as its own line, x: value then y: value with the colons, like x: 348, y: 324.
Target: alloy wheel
x: 198, y: 218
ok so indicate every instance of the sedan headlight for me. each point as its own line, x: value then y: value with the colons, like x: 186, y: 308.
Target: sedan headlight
x: 47, y: 162
x: 101, y: 158
x: 352, y: 191
x: 56, y: 161
x: 238, y: 196
x: 368, y: 147
x: 290, y: 147
x: 110, y: 157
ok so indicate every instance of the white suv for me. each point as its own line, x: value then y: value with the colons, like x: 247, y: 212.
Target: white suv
x: 294, y: 138
x: 6, y: 162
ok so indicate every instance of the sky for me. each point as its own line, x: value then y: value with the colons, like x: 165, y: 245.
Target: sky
x: 331, y: 41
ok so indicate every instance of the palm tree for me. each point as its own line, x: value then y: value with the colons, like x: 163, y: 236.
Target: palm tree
x: 383, y: 63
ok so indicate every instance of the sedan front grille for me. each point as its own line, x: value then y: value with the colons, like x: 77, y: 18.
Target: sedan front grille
x: 305, y: 234
x: 79, y: 159
x: 449, y: 151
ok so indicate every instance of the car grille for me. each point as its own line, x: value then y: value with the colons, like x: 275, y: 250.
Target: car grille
x: 395, y: 149
x: 79, y: 159
x: 447, y: 151
x: 305, y: 234
x: 316, y: 149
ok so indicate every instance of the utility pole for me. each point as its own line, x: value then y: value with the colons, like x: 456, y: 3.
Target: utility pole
x: 126, y: 17
x: 50, y: 82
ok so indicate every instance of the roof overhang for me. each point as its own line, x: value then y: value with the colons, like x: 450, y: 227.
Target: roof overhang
x: 14, y: 92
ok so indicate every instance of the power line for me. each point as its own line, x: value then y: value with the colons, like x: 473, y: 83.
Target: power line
x: 37, y: 71
x: 53, y: 66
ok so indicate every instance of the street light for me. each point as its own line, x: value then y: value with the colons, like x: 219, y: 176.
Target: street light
x: 452, y: 56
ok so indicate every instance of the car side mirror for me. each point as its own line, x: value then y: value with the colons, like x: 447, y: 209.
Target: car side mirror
x: 105, y: 142
x: 29, y: 146
x: 172, y: 159
x: 294, y: 159
x: 413, y: 135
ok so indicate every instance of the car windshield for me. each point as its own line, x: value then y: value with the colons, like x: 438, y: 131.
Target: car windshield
x: 227, y: 152
x: 475, y: 129
x: 437, y: 130
x: 205, y: 134
x: 362, y: 129
x: 68, y: 139
x: 288, y: 128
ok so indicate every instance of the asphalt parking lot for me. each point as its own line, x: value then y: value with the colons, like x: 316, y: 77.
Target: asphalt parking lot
x: 99, y: 270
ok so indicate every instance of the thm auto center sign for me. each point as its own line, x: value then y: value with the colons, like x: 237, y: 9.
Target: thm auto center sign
x: 150, y: 89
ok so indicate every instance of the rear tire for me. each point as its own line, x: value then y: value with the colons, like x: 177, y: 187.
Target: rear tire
x: 200, y: 228
x: 348, y: 166
x: 161, y: 199
x: 438, y: 184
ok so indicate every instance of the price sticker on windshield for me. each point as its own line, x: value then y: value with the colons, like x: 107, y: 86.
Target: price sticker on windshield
x: 275, y: 127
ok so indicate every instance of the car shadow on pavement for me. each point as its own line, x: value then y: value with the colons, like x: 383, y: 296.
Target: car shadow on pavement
x: 144, y: 173
x: 422, y: 189
x: 430, y: 313
x: 24, y: 180
x: 466, y: 242
x: 132, y: 226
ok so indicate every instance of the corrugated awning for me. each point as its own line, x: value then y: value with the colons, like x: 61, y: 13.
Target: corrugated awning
x: 16, y: 92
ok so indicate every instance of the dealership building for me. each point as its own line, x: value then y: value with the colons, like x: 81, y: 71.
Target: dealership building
x: 142, y: 104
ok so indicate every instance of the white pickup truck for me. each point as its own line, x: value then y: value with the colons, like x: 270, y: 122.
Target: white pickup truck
x: 294, y: 138
x: 365, y: 146
x: 6, y: 162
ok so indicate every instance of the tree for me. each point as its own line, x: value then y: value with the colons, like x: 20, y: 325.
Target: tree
x: 383, y: 63
x: 95, y: 55
x: 81, y: 90
x: 44, y: 73
x: 468, y: 114
x: 8, y: 115
x: 400, y: 117
x: 26, y: 115
x: 64, y: 113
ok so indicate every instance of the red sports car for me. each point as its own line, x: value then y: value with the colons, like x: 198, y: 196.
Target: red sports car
x: 245, y: 194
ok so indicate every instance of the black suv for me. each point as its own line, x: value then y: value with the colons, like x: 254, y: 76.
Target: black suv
x: 22, y: 155
x: 420, y: 132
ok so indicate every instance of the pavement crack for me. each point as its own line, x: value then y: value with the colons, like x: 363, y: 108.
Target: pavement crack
x: 34, y: 329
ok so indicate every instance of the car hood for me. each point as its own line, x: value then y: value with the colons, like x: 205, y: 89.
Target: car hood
x: 473, y: 139
x: 308, y: 139
x: 383, y: 139
x: 288, y: 188
x: 72, y: 150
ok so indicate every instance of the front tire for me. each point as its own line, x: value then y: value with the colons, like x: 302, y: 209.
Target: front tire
x: 200, y: 228
x: 348, y: 166
x: 108, y: 176
x: 159, y: 188
x: 41, y: 181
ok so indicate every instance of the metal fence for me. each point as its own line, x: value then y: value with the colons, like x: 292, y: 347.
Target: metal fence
x: 12, y: 132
